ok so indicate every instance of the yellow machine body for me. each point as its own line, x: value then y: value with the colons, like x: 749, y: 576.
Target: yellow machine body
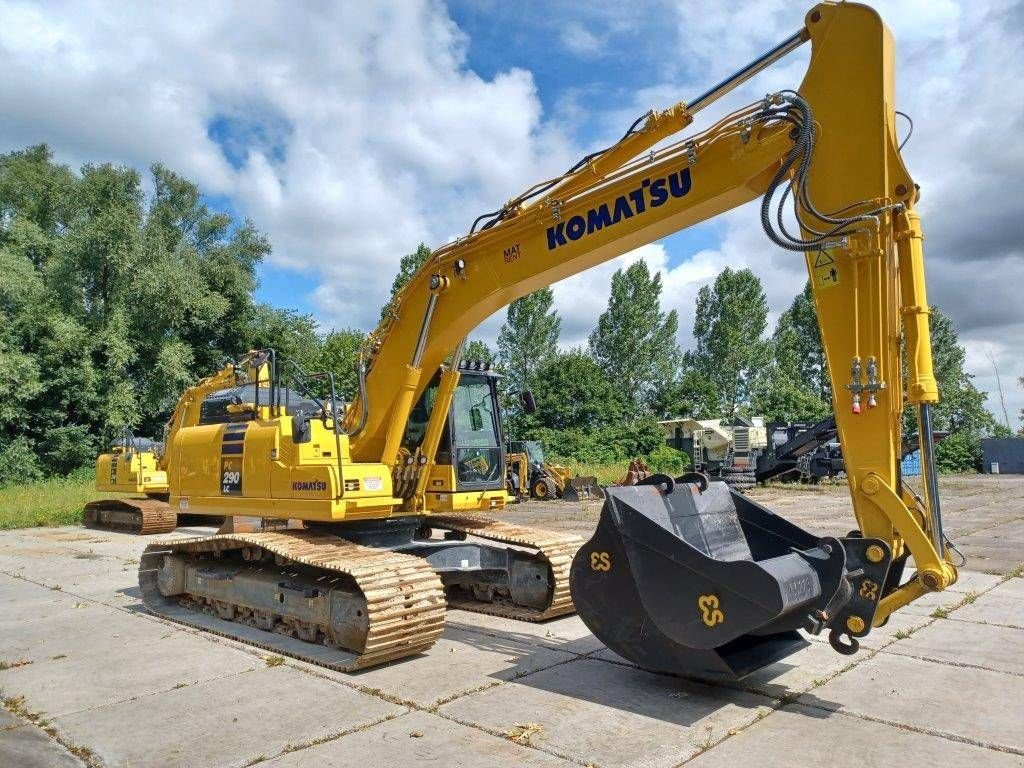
x: 127, y: 471
x: 254, y: 465
x: 413, y: 444
x: 868, y: 284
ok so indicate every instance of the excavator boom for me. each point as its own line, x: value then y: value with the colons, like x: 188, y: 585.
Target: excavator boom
x: 830, y: 148
x: 680, y: 576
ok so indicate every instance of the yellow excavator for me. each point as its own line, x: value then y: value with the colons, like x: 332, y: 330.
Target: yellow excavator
x: 132, y: 465
x: 679, y: 576
x: 140, y: 465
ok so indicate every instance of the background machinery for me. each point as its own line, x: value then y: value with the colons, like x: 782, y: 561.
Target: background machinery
x: 802, y: 451
x: 139, y: 465
x: 530, y: 475
x: 719, y: 448
x: 132, y: 465
x: 810, y: 452
x: 678, y: 577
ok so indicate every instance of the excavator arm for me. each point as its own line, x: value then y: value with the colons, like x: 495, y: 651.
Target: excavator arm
x: 830, y: 148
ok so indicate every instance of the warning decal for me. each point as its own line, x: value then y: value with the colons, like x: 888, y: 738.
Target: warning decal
x: 824, y: 271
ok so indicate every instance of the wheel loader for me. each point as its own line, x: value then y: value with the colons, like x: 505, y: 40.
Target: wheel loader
x: 532, y: 476
x: 365, y: 541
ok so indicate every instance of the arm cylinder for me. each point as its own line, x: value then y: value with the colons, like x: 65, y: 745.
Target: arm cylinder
x: 921, y: 384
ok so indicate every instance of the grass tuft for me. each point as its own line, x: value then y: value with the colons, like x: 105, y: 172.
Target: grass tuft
x: 48, y: 503
x: 4, y: 664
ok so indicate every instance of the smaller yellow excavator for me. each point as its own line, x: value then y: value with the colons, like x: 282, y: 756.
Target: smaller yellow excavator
x: 132, y: 466
x: 139, y: 465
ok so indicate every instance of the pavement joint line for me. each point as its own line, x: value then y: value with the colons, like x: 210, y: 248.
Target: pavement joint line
x: 141, y: 696
x: 992, y: 525
x: 987, y: 623
x: 310, y: 743
x: 434, y: 709
x: 528, y: 639
x: 38, y: 720
x: 528, y: 743
x: 919, y: 729
x: 951, y: 663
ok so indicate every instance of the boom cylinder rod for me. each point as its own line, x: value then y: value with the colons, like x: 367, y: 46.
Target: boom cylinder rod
x: 931, y: 478
x: 741, y: 76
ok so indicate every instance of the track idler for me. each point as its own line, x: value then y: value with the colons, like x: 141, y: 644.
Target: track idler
x: 707, y: 583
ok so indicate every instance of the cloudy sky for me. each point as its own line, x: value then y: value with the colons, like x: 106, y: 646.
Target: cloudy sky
x: 351, y: 131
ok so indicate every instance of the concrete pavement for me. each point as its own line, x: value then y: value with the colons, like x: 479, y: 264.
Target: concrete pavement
x: 89, y: 678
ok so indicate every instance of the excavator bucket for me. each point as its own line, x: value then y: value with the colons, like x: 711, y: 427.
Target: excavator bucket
x: 707, y: 583
x: 584, y: 487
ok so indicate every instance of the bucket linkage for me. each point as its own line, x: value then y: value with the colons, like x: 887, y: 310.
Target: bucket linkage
x: 695, y: 579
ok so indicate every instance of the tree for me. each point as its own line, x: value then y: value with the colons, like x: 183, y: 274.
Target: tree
x: 1020, y: 381
x: 797, y: 345
x: 792, y: 384
x: 731, y: 316
x: 291, y: 334
x: 961, y: 409
x: 635, y: 342
x: 572, y: 392
x: 111, y: 301
x: 528, y: 338
x: 339, y: 354
x: 407, y: 267
x: 580, y: 414
x: 476, y: 349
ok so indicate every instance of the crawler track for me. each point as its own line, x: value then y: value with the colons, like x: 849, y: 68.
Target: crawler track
x: 557, y: 548
x: 405, y: 601
x: 142, y: 516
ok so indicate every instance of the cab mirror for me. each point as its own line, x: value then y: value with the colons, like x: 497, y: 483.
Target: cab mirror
x: 529, y: 402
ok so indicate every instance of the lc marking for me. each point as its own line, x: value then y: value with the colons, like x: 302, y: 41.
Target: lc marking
x: 600, y: 561
x: 710, y: 613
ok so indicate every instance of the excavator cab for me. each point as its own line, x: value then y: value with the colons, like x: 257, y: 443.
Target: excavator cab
x: 469, y: 471
x: 697, y: 579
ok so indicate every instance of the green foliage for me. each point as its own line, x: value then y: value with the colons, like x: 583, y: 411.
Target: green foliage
x: 635, y: 342
x: 18, y: 462
x: 581, y: 415
x: 958, y: 453
x: 793, y: 383
x: 1020, y: 381
x: 572, y: 392
x: 731, y: 316
x: 478, y: 350
x: 797, y: 346
x: 338, y: 353
x: 110, y: 303
x: 53, y: 502
x: 668, y: 460
x: 528, y: 339
x: 407, y: 267
x: 961, y: 409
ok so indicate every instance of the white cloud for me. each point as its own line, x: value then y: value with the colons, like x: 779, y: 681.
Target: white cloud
x: 580, y: 40
x: 356, y: 130
x: 379, y: 136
